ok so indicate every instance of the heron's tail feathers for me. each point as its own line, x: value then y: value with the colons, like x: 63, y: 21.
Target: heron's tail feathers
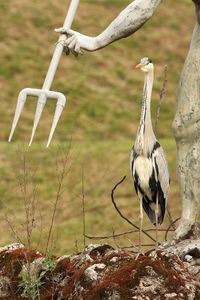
x: 150, y: 211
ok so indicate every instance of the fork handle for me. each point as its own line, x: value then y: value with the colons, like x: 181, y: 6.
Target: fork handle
x: 60, y: 45
x: 71, y: 14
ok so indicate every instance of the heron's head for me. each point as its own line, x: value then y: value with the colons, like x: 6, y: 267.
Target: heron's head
x: 145, y: 65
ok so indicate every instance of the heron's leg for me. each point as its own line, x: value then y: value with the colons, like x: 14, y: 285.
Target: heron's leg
x: 141, y: 226
x: 156, y: 213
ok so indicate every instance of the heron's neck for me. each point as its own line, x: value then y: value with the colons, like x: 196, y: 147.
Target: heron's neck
x: 145, y: 131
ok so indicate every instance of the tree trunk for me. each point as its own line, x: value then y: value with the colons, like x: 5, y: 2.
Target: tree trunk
x: 197, y: 4
x: 186, y: 128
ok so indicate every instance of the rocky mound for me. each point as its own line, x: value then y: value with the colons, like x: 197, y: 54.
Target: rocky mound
x: 98, y: 273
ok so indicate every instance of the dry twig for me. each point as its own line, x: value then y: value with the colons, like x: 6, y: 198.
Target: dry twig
x: 120, y: 213
x: 162, y: 95
x: 61, y: 176
x: 167, y: 231
x: 104, y: 237
x: 115, y: 240
x: 83, y: 207
x: 169, y: 215
x: 13, y: 229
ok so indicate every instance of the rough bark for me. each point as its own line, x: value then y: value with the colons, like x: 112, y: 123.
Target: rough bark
x: 186, y: 127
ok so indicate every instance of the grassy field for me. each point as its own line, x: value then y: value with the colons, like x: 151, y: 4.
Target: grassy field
x: 104, y: 97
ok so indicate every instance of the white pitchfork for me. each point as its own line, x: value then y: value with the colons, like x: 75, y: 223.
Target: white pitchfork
x: 45, y: 92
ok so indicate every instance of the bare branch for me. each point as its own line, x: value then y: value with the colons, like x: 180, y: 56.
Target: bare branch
x: 104, y: 237
x: 29, y: 198
x: 121, y: 215
x: 83, y: 207
x: 166, y: 234
x: 60, y: 175
x: 13, y: 230
x: 137, y: 245
x: 162, y: 95
x: 169, y: 215
x: 115, y: 241
x: 134, y: 246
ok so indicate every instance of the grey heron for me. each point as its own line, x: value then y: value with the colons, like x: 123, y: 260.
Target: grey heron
x: 148, y: 164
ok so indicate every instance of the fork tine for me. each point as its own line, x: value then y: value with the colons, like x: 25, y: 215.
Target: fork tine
x: 56, y: 118
x: 58, y: 112
x: 39, y: 109
x: 59, y: 108
x: 20, y: 105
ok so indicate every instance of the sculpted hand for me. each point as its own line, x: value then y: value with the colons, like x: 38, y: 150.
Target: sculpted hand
x: 76, y: 42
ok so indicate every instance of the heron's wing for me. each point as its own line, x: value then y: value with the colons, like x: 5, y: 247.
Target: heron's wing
x: 132, y: 160
x: 162, y: 174
x: 132, y: 167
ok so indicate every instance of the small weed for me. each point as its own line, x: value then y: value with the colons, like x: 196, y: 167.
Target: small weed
x: 49, y: 263
x: 31, y: 282
x: 30, y: 287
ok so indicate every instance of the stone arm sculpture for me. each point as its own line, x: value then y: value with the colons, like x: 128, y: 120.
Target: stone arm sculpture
x: 125, y: 24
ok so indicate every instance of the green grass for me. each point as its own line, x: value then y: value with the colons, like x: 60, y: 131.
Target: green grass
x: 102, y: 113
x: 104, y: 163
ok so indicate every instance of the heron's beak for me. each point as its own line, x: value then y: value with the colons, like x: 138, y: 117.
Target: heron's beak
x: 139, y: 66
